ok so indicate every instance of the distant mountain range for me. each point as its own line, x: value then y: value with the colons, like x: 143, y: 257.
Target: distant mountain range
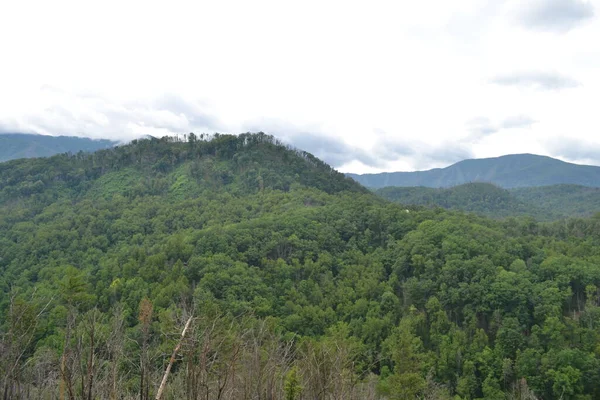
x: 510, y: 171
x: 20, y: 145
x: 543, y: 203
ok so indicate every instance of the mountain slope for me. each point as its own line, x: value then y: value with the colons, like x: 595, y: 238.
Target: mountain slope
x: 294, y: 281
x: 561, y: 200
x: 20, y: 145
x: 544, y: 203
x: 518, y: 170
x: 482, y: 198
x: 239, y: 164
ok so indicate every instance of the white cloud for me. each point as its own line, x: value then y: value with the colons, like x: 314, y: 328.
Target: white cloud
x: 368, y: 74
x: 539, y: 80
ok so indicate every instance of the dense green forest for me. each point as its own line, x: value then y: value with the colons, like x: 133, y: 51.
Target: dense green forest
x: 509, y: 171
x: 294, y: 282
x: 22, y: 145
x: 481, y: 198
x: 561, y: 200
x: 545, y: 203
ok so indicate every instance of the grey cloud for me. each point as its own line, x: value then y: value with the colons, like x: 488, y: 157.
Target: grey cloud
x: 575, y: 150
x: 388, y: 149
x: 92, y: 115
x: 536, y: 80
x: 391, y: 150
x: 518, y: 121
x: 11, y: 125
x: 422, y: 155
x: 311, y: 138
x: 169, y: 112
x: 555, y: 15
x: 193, y: 111
x: 444, y: 155
x: 480, y: 127
x: 333, y: 151
x: 337, y: 153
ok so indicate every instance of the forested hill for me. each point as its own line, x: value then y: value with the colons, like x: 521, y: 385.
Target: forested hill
x: 510, y: 171
x: 543, y: 203
x: 482, y: 198
x: 561, y: 200
x: 21, y: 145
x: 294, y: 283
x: 172, y: 168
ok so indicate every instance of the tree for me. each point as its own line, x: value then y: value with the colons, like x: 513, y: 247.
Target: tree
x: 292, y: 385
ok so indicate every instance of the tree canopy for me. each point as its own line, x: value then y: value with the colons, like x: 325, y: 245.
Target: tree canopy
x: 301, y: 284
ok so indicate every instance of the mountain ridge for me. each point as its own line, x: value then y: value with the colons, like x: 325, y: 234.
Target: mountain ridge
x: 245, y: 163
x: 544, y: 203
x: 508, y: 171
x: 29, y: 145
x: 279, y: 263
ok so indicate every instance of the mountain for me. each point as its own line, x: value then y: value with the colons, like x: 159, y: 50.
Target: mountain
x: 511, y: 171
x: 481, y: 198
x: 20, y: 145
x: 544, y: 203
x: 241, y: 164
x: 238, y: 268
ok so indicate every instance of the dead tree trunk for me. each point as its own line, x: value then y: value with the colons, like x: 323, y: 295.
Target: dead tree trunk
x: 161, y: 388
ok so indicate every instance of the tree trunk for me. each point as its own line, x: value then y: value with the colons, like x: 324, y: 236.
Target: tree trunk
x: 161, y: 388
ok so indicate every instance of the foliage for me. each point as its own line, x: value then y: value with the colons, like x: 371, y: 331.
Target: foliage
x: 301, y: 283
x: 544, y: 203
x: 561, y: 200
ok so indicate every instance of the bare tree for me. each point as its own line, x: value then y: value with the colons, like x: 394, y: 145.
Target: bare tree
x: 521, y: 391
x: 145, y: 318
x: 328, y: 368
x: 23, y: 318
x: 115, y: 350
x: 161, y: 388
x: 266, y: 360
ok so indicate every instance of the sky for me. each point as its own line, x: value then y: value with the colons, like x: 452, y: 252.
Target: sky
x: 366, y: 86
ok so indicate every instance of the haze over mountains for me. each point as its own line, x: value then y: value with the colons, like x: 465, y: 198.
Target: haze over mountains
x: 510, y: 171
x: 21, y: 145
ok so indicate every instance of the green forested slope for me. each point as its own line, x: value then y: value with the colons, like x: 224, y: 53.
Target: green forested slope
x: 301, y: 284
x: 565, y: 200
x: 482, y: 198
x: 544, y: 203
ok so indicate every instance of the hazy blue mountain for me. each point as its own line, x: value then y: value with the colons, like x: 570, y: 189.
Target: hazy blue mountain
x: 21, y: 145
x: 510, y: 171
x: 543, y: 203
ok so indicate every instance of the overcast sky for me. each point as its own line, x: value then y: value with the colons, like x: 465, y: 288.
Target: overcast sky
x: 367, y: 86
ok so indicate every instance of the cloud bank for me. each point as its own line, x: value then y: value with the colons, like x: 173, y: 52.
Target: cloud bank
x: 537, y: 80
x: 555, y: 15
x: 368, y: 88
x: 97, y: 116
